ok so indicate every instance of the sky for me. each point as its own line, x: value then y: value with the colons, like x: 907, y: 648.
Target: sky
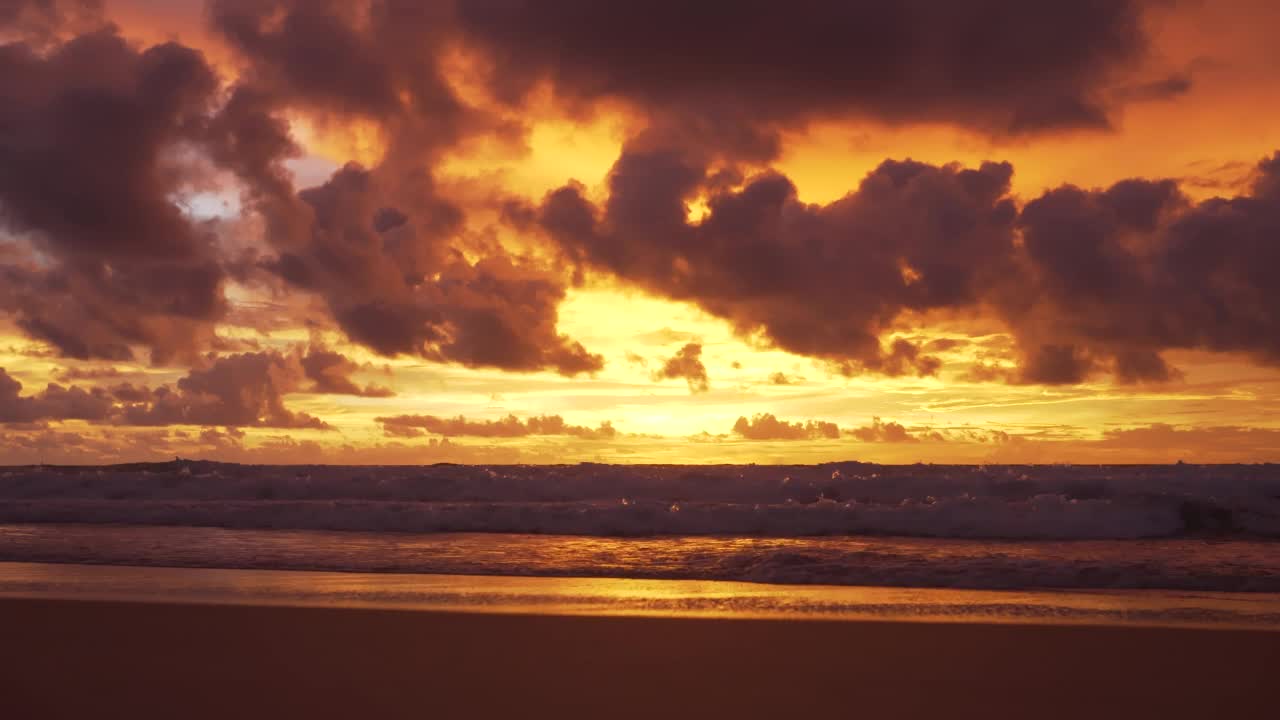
x: 508, y: 231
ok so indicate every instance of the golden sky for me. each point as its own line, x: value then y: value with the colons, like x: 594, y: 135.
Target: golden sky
x: 528, y: 233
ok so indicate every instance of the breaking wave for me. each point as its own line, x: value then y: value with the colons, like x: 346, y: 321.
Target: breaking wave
x: 1014, y: 502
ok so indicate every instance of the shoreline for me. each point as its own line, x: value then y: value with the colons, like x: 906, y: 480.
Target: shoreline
x: 612, y: 596
x: 94, y: 657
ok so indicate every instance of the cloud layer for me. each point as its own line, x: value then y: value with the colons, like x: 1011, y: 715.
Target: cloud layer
x: 112, y: 264
x: 507, y: 427
x: 241, y: 390
x: 153, y: 217
x: 1088, y: 281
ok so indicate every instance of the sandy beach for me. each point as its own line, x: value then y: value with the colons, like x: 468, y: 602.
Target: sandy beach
x: 86, y: 658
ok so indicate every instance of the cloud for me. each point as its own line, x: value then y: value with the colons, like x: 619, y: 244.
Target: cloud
x: 1193, y: 441
x: 1087, y: 282
x: 245, y: 390
x: 330, y: 373
x: 380, y: 60
x: 105, y: 138
x: 1119, y: 275
x: 87, y: 170
x: 767, y: 427
x: 667, y: 336
x: 507, y: 427
x: 686, y: 364
x: 826, y: 281
x: 117, y: 445
x: 371, y: 242
x: 945, y: 344
x: 1152, y: 443
x: 241, y: 390
x: 884, y: 432
x: 76, y: 374
x: 55, y: 403
x: 376, y: 246
x: 1166, y: 88
x: 732, y: 72
x: 41, y: 21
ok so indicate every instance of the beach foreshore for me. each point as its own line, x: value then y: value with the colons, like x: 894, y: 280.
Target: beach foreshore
x: 78, y: 658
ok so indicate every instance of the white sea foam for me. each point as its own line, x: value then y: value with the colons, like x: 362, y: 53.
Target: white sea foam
x: 1031, y: 502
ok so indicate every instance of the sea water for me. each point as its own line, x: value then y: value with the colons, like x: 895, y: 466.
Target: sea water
x: 1069, y: 529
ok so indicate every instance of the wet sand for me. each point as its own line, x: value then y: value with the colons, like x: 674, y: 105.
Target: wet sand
x: 109, y: 658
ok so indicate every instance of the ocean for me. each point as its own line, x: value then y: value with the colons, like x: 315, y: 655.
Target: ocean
x: 1064, y: 529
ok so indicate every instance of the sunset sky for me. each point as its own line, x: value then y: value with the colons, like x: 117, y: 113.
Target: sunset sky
x: 392, y: 231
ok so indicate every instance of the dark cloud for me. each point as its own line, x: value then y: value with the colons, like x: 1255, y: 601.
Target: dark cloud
x: 378, y: 245
x: 247, y: 390
x: 1088, y: 281
x: 330, y: 374
x: 686, y: 364
x: 1119, y: 275
x: 825, y: 281
x: 98, y: 122
x: 53, y: 403
x: 765, y: 426
x: 399, y: 292
x: 100, y: 136
x: 1054, y: 365
x: 378, y: 59
x: 130, y: 393
x: 731, y: 71
x: 244, y: 390
x: 508, y: 427
x: 87, y: 175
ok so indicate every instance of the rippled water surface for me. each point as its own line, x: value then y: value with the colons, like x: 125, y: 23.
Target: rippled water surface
x: 1177, y: 563
x: 610, y: 596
